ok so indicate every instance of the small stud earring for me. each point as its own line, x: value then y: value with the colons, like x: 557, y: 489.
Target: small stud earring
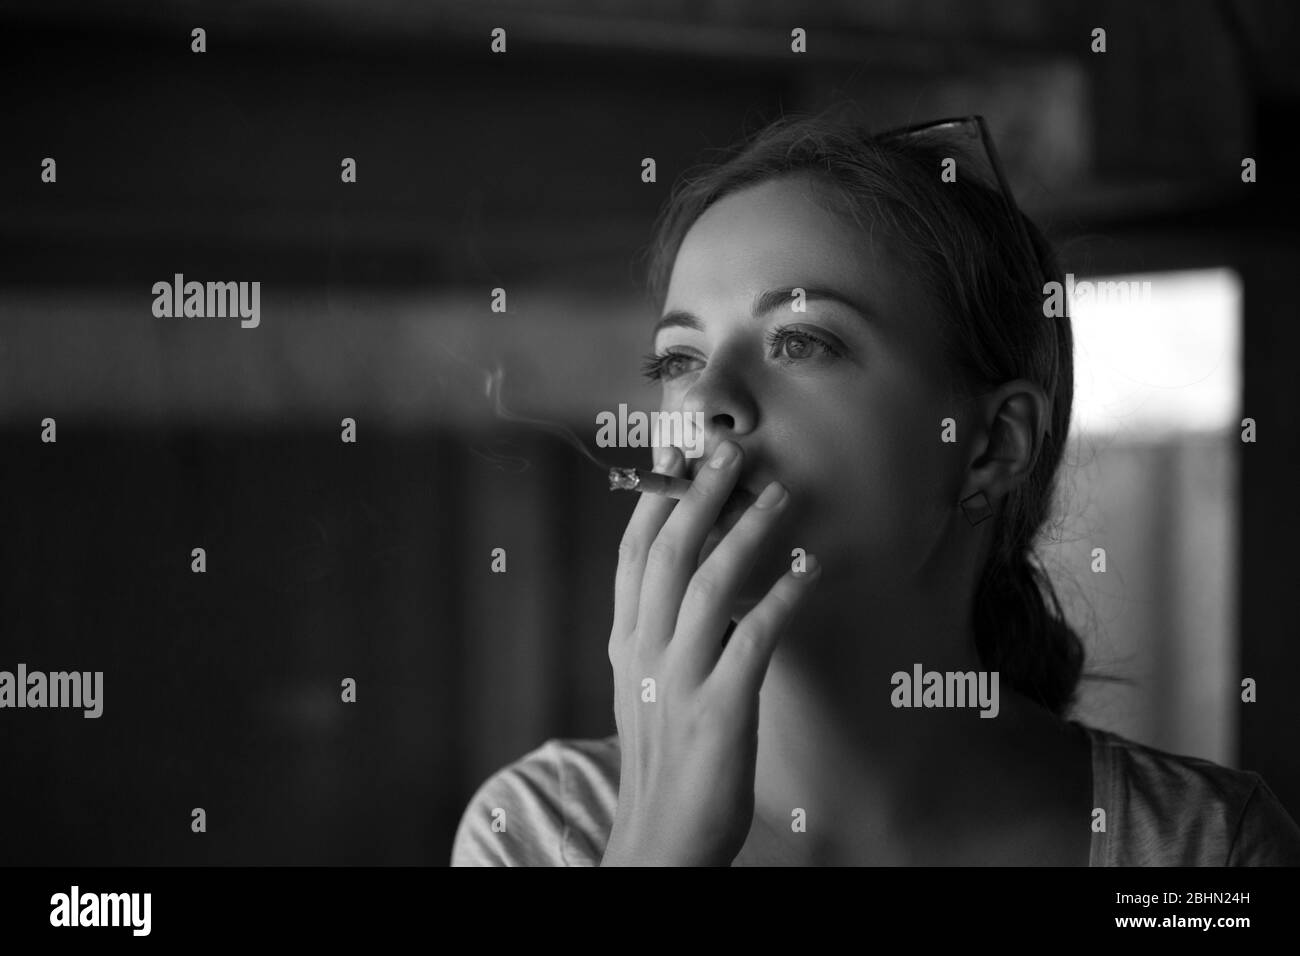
x: 976, y: 508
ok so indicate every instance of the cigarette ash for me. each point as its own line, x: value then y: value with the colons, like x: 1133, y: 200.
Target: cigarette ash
x: 623, y: 479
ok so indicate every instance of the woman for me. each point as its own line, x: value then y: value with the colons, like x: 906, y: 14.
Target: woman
x: 860, y: 321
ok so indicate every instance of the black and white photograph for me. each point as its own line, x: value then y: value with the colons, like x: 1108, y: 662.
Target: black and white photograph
x: 639, y: 433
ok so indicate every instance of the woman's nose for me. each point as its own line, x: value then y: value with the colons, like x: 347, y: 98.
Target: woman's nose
x: 722, y: 399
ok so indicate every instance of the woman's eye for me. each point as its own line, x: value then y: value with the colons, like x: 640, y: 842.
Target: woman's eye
x: 784, y: 344
x: 795, y: 344
x: 661, y: 368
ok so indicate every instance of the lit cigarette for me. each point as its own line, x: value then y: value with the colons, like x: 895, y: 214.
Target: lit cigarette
x: 654, y: 483
x: 648, y: 482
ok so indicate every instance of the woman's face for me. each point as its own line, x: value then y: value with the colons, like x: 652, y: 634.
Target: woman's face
x: 842, y: 403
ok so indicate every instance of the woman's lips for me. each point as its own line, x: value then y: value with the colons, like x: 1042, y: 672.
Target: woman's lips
x: 737, y: 503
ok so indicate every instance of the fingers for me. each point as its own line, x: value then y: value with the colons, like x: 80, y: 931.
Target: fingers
x: 648, y: 517
x: 706, y: 608
x: 743, y: 665
x: 672, y: 558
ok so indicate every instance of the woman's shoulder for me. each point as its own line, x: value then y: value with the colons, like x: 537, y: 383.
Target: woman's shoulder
x: 554, y: 806
x: 1167, y: 809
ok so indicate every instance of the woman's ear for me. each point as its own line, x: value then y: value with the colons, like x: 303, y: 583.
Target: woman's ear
x: 1011, y: 423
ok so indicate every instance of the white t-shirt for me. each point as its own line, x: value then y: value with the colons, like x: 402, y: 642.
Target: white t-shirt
x: 1161, y: 809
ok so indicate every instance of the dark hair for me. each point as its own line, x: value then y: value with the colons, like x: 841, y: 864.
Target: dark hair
x: 967, y: 254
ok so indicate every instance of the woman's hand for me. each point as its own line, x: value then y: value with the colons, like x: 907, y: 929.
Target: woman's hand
x: 689, y: 740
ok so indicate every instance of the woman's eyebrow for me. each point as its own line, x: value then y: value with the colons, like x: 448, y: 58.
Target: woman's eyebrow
x: 766, y: 302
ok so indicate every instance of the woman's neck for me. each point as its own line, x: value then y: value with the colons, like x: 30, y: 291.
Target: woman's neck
x: 845, y: 735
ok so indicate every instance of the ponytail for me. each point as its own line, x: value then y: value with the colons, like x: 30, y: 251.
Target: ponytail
x: 1021, y: 633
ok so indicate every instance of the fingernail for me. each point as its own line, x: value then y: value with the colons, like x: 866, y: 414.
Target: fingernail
x: 664, y: 457
x: 723, y: 455
x: 810, y: 567
x: 771, y: 495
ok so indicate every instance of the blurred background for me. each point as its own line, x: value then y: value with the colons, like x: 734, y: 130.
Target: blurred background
x: 476, y: 170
